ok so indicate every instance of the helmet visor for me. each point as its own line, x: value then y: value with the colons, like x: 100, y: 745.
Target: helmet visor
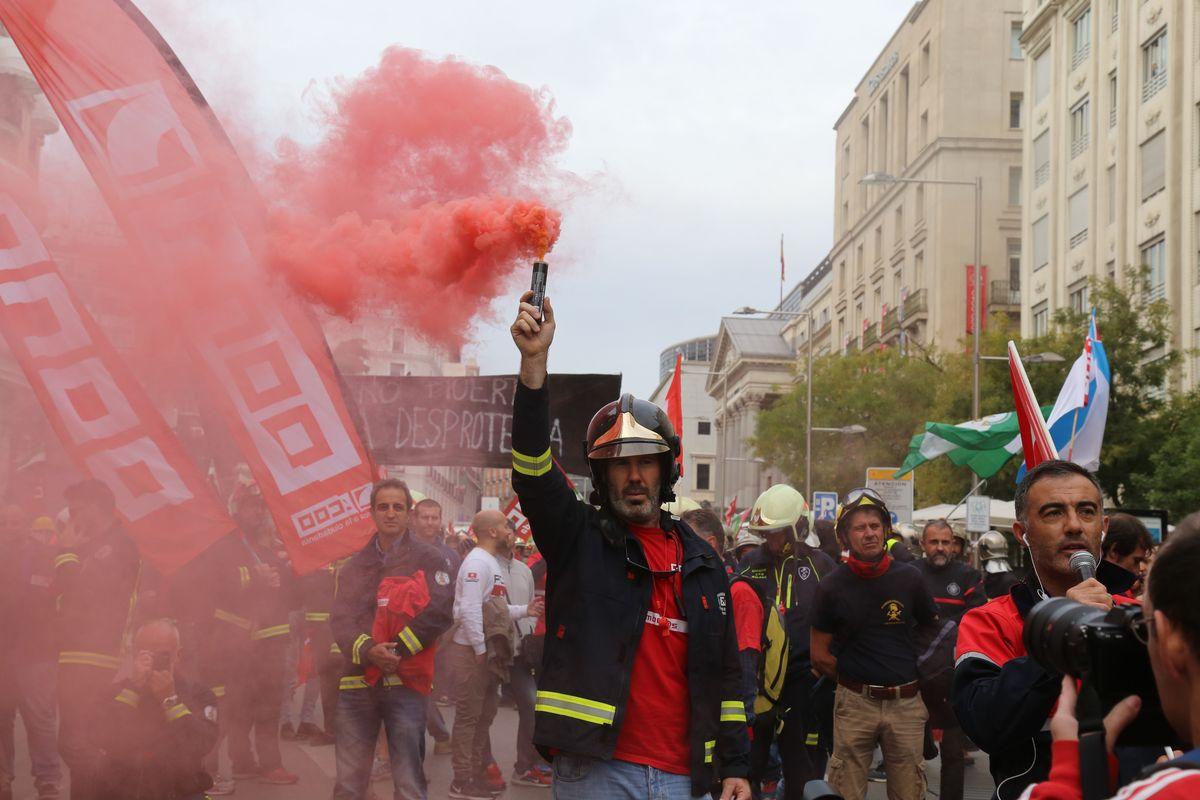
x: 624, y: 449
x: 628, y: 436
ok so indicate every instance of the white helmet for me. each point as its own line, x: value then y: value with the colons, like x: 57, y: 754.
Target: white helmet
x: 747, y: 538
x: 679, y: 506
x: 781, y: 506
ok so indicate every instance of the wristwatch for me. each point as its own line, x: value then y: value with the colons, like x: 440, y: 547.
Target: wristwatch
x: 168, y: 702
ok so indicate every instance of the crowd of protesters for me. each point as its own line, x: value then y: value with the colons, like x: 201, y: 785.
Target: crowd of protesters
x: 647, y: 655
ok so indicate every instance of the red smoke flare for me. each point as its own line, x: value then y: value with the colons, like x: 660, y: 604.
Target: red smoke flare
x: 422, y: 192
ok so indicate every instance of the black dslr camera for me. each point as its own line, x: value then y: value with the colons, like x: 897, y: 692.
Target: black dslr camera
x: 1101, y: 649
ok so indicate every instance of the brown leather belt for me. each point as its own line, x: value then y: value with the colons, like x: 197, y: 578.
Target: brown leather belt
x: 901, y: 692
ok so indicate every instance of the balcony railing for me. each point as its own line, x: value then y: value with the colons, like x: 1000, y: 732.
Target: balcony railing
x: 891, y: 320
x: 1041, y: 174
x: 1153, y: 84
x: 1079, y: 144
x: 915, y: 304
x: 870, y: 337
x: 1080, y: 55
x: 1078, y: 239
x: 1004, y: 293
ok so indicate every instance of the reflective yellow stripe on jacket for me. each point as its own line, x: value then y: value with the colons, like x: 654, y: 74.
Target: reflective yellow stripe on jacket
x: 316, y: 616
x: 359, y: 682
x: 64, y: 559
x: 733, y: 711
x: 271, y: 632
x: 534, y: 466
x: 709, y: 748
x: 129, y: 697
x: 177, y: 711
x: 410, y: 640
x: 356, y: 655
x: 576, y: 707
x: 233, y: 619
x: 89, y: 659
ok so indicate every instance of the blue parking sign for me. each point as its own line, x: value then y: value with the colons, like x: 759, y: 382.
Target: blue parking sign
x: 825, y: 505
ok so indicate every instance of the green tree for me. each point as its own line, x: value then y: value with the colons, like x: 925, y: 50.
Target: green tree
x: 1172, y: 480
x: 884, y: 392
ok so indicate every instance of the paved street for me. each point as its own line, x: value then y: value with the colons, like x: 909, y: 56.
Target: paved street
x: 315, y: 766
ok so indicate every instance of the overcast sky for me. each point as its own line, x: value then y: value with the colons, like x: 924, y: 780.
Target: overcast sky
x: 711, y: 123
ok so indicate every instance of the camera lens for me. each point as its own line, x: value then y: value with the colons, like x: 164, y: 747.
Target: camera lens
x: 1056, y: 634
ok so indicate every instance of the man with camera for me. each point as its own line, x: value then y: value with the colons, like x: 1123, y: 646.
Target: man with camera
x: 155, y: 728
x: 1169, y: 627
x: 1002, y: 697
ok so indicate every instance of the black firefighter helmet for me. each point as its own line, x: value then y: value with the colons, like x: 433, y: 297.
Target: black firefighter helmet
x: 631, y: 427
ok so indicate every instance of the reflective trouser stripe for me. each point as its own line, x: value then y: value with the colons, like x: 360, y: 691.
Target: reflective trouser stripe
x: 89, y: 659
x: 576, y: 707
x: 176, y: 711
x: 233, y: 619
x: 533, y: 466
x: 733, y: 711
x: 271, y: 632
x: 129, y: 697
x: 812, y: 740
x: 244, y: 576
x: 356, y: 655
x: 709, y: 748
x: 316, y: 616
x: 359, y: 682
x: 410, y: 640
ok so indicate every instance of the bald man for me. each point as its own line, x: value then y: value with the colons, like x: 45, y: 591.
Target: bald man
x: 475, y: 687
x: 156, y: 727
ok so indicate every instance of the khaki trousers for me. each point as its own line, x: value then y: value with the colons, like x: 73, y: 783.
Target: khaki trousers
x: 475, y: 700
x: 897, y: 726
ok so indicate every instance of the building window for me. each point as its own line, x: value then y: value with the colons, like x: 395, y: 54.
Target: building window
x: 918, y: 270
x: 924, y: 128
x: 1115, y: 13
x: 397, y: 340
x: 899, y: 224
x: 1154, y: 256
x: 1041, y: 159
x: 925, y: 62
x: 1013, y: 247
x: 1077, y: 297
x: 1041, y: 242
x: 1110, y: 191
x: 1081, y: 37
x: 1014, y: 40
x: 1079, y: 127
x: 846, y: 160
x: 1154, y: 165
x: 845, y: 215
x: 920, y: 212
x: 1014, y: 186
x: 878, y: 242
x: 1041, y: 76
x: 397, y: 369
x: 1154, y: 65
x: 704, y: 428
x: 1113, y: 98
x: 703, y: 477
x: 1110, y: 269
x: 1015, y: 101
x: 1077, y: 217
x: 1041, y: 319
x: 842, y: 276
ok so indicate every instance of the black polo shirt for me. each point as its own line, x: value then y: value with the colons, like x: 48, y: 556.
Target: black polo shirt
x: 874, y: 622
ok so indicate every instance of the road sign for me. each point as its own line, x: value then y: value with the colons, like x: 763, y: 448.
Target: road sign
x: 897, y: 493
x: 979, y: 514
x: 824, y: 505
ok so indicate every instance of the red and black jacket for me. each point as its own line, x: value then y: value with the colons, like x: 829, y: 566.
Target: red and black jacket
x: 956, y: 587
x: 597, y: 594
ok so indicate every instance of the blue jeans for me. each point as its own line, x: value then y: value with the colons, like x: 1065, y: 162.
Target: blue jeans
x: 30, y: 689
x: 580, y: 778
x: 359, y: 713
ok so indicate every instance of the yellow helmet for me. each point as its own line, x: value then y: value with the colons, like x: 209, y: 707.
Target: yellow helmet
x: 781, y: 506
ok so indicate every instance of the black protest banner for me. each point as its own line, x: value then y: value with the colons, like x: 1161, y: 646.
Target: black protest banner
x: 467, y: 422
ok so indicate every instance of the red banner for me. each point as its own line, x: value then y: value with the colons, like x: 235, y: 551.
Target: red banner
x: 101, y: 414
x: 177, y: 188
x: 517, y: 517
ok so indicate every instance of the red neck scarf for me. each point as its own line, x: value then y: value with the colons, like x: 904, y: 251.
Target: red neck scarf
x: 869, y: 569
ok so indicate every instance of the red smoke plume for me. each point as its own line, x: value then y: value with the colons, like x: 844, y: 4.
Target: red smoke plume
x: 424, y: 192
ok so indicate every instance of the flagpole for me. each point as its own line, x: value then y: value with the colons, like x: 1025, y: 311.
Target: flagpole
x: 1074, y: 428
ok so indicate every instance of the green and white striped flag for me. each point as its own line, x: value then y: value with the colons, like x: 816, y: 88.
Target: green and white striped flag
x: 984, y: 445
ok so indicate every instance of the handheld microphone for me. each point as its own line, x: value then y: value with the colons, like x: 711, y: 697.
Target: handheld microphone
x: 1083, y: 564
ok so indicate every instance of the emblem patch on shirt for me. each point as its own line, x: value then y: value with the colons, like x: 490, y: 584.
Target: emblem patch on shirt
x: 472, y: 577
x: 893, y: 609
x: 441, y: 578
x: 953, y: 589
x: 804, y: 573
x: 210, y: 713
x: 721, y: 601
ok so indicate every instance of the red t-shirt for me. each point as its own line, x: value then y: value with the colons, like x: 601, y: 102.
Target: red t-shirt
x: 747, y: 616
x: 658, y: 711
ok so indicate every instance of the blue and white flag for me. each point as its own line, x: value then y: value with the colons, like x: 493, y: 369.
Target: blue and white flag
x: 1078, y: 419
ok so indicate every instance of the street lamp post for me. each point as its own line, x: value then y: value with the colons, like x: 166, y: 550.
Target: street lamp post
x: 808, y: 426
x: 886, y: 179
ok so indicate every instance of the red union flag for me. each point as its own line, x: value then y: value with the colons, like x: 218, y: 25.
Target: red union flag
x: 517, y: 517
x: 101, y: 414
x: 177, y: 188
